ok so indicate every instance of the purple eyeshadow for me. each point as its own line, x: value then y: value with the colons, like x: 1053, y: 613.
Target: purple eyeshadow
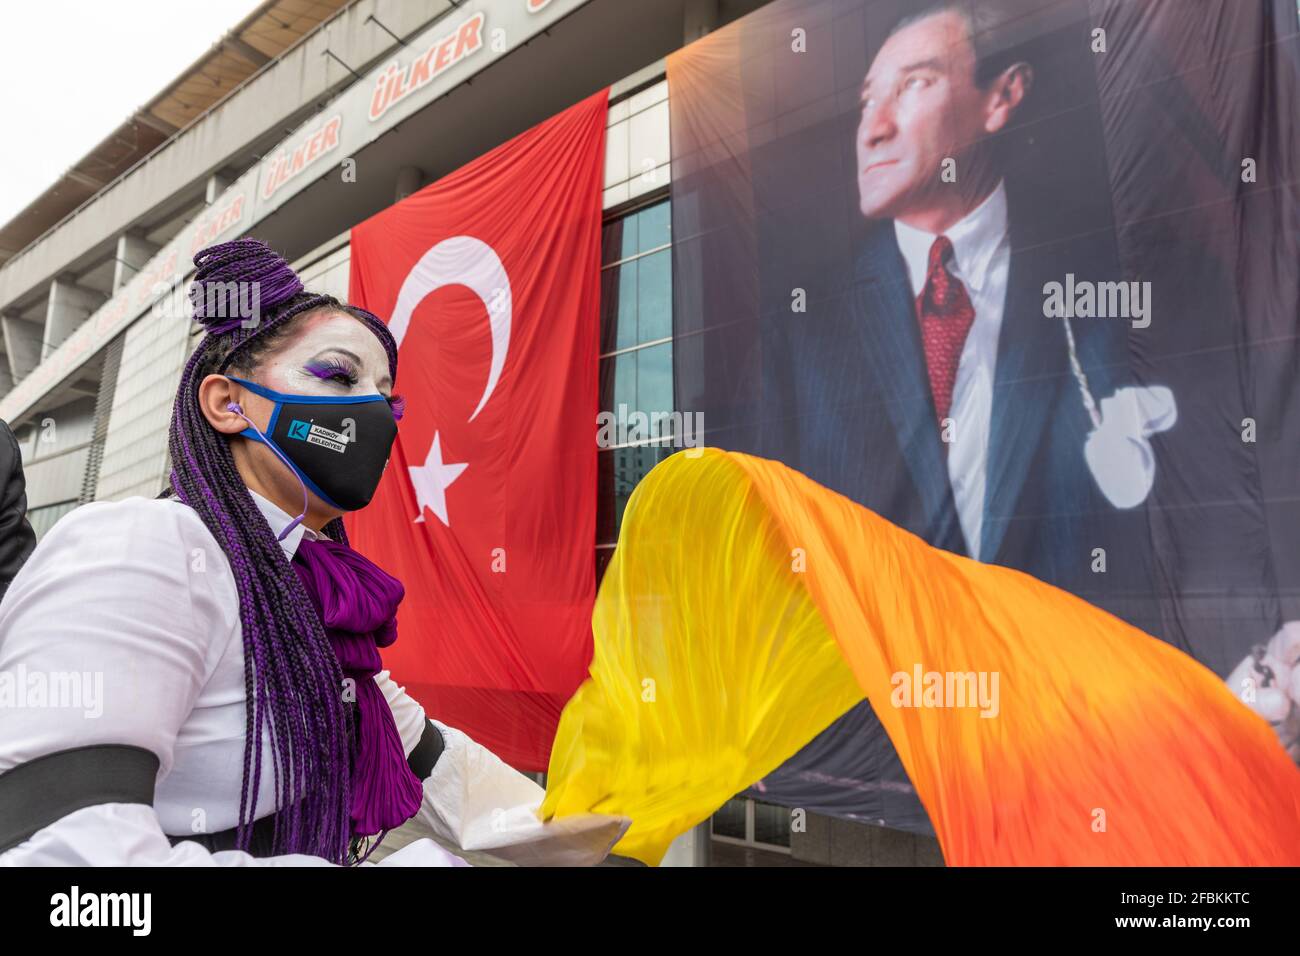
x: 332, y: 369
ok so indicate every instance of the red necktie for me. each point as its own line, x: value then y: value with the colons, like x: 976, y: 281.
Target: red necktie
x: 946, y: 314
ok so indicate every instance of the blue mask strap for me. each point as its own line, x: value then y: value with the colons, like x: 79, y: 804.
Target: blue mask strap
x: 307, y: 399
x: 234, y: 407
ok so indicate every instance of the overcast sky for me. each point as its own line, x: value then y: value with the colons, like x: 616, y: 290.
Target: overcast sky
x: 72, y: 70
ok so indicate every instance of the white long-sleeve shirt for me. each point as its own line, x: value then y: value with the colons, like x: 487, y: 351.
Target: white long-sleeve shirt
x: 981, y: 261
x: 131, y: 609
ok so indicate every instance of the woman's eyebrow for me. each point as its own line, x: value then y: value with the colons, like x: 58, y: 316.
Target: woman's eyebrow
x: 333, y: 348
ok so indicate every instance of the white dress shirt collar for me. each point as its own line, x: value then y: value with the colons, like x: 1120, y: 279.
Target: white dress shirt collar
x: 278, y: 519
x: 975, y: 239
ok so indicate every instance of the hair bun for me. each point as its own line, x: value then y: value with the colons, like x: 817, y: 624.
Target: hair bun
x: 238, y: 283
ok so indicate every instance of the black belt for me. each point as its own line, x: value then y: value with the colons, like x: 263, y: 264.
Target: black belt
x: 41, y: 791
x: 44, y: 790
x: 421, y: 761
x: 260, y: 841
x: 426, y: 752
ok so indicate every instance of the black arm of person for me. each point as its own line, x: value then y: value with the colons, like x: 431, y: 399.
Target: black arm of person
x: 17, y: 540
x: 107, y: 773
x: 426, y: 753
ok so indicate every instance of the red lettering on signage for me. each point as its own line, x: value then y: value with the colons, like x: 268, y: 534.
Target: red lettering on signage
x: 114, y: 311
x: 395, y: 84
x: 420, y: 69
x: 272, y: 172
x: 379, y: 100
x: 213, y: 226
x: 332, y: 133
x: 286, y: 164
x: 444, y: 54
x: 470, y: 37
x: 233, y: 214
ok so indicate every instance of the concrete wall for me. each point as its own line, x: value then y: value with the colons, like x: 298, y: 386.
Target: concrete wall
x: 834, y: 842
x: 327, y: 274
x: 135, y: 449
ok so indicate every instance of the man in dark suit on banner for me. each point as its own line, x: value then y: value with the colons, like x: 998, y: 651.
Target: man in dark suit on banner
x: 973, y: 381
x: 945, y: 390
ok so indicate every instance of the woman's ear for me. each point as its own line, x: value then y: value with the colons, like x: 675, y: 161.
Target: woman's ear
x: 216, y: 393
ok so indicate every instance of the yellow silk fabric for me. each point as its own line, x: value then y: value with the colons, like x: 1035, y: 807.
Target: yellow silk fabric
x: 746, y: 607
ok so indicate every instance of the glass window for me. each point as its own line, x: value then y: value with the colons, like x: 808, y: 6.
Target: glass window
x: 636, y: 363
x: 636, y: 280
x: 654, y: 381
x: 653, y: 226
x: 654, y: 296
x: 771, y: 824
x: 753, y: 823
x: 644, y: 230
x: 619, y: 240
x: 729, y: 820
x: 617, y: 308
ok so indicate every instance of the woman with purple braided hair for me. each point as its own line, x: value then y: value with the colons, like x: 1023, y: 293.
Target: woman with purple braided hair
x: 243, y: 714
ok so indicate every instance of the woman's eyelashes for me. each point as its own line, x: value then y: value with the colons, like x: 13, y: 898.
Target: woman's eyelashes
x: 334, y: 370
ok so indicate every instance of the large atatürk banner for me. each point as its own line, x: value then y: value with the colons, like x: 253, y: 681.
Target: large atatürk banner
x: 1022, y: 277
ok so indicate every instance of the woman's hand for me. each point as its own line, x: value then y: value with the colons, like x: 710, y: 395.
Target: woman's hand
x: 476, y: 801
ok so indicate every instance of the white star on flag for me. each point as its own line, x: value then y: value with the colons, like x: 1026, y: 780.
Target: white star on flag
x: 432, y: 479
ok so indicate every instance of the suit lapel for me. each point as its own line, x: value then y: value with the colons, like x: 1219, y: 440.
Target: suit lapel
x: 886, y: 320
x: 1031, y: 363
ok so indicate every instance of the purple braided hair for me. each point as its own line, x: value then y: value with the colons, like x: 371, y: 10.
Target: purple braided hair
x: 247, y: 297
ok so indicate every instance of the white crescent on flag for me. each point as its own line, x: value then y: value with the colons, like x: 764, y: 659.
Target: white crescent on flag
x: 461, y: 260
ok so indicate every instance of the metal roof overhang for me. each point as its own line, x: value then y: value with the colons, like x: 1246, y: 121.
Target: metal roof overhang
x: 261, y: 37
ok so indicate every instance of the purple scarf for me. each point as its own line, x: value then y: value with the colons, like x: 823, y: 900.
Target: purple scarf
x: 356, y: 602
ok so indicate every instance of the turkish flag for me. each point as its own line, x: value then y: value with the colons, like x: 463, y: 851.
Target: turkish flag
x: 490, y: 282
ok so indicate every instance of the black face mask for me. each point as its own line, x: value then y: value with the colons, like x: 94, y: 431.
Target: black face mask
x: 336, y: 446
